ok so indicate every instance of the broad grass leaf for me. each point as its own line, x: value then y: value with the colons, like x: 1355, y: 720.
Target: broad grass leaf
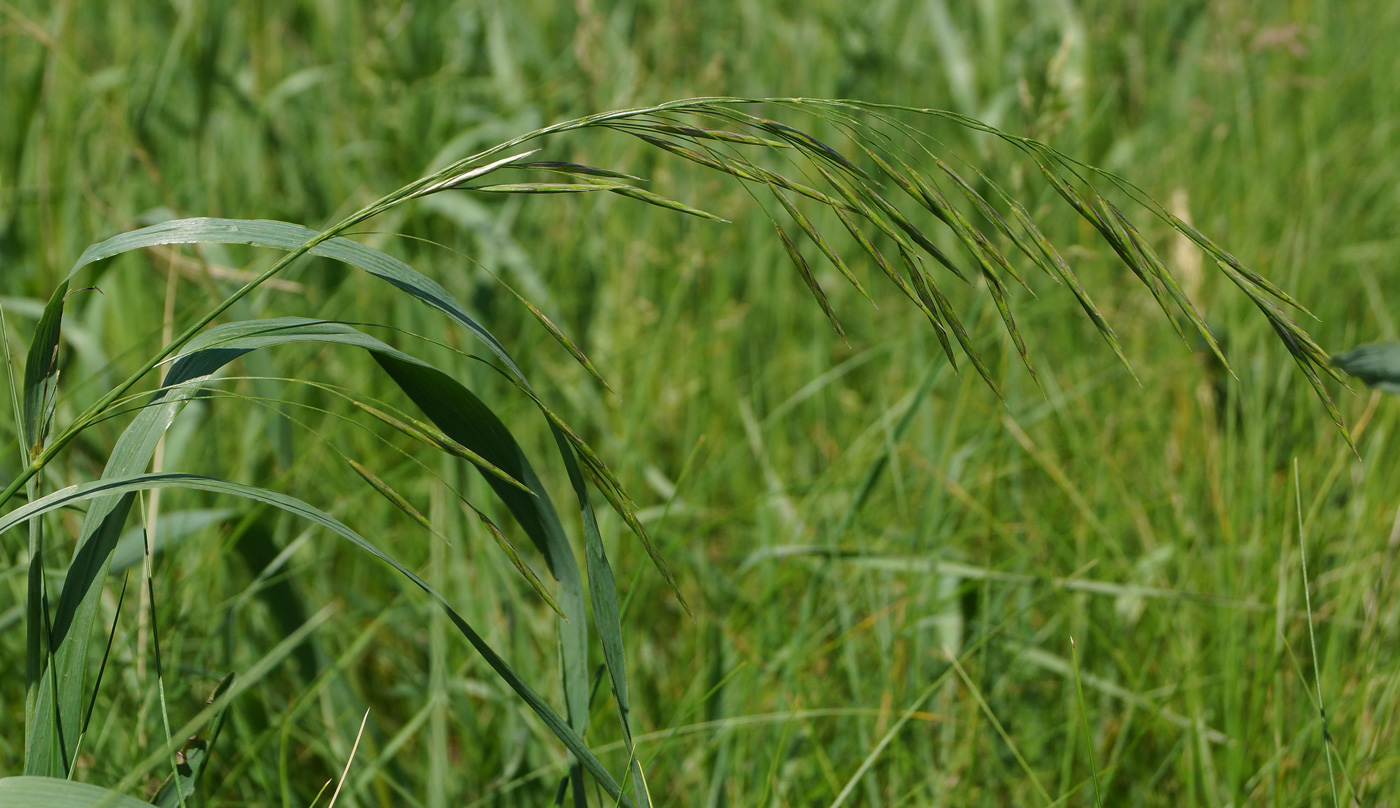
x: 559, y: 556
x: 52, y: 792
x: 461, y: 415
x: 285, y: 236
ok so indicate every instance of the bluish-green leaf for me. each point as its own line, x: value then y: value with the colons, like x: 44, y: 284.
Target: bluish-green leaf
x: 1377, y: 365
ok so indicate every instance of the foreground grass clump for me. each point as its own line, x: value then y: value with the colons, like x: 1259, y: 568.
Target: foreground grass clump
x: 884, y: 186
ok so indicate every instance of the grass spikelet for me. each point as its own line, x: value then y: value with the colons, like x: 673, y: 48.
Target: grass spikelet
x: 1000, y: 223
x: 720, y: 135
x: 1067, y: 191
x: 932, y: 294
x: 1130, y: 251
x: 854, y: 203
x: 976, y: 242
x: 899, y: 179
x: 1160, y: 271
x: 544, y: 187
x: 716, y: 163
x: 662, y: 202
x: 1229, y: 263
x: 807, y: 277
x: 800, y: 139
x: 613, y: 491
x: 625, y: 508
x: 998, y: 292
x: 878, y: 257
x: 737, y: 167
x: 399, y: 501
x: 427, y: 433
x: 1306, y: 353
x: 516, y: 561
x: 816, y: 237
x: 559, y: 336
x: 1067, y: 275
x: 929, y: 305
x: 914, y: 233
x: 577, y: 170
x: 1097, y: 214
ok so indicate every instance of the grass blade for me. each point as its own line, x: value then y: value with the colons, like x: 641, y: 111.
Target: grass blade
x: 125, y: 488
x: 41, y: 373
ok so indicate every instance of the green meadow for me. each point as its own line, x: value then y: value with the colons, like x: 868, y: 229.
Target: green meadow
x: 615, y: 482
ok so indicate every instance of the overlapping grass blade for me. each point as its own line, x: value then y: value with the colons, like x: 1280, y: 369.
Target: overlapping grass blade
x: 461, y: 415
x: 125, y: 487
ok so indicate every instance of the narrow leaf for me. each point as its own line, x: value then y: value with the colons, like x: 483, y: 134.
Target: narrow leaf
x: 193, y: 757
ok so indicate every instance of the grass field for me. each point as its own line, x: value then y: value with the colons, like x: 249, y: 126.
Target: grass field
x: 893, y: 575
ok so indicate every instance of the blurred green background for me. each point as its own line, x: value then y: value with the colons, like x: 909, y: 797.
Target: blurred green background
x: 1156, y: 524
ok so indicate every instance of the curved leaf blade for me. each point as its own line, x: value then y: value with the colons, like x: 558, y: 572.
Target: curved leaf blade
x: 127, y: 486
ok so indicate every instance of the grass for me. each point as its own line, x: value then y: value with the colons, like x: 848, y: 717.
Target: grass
x: 846, y: 520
